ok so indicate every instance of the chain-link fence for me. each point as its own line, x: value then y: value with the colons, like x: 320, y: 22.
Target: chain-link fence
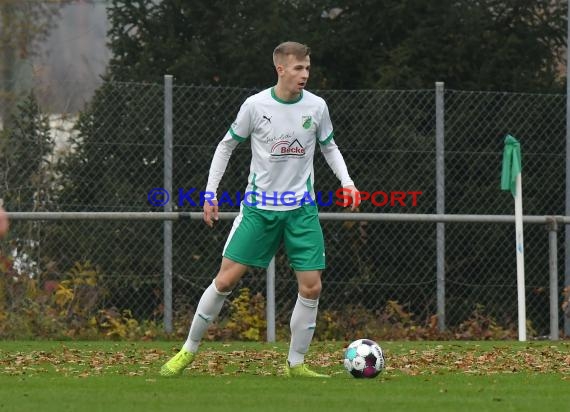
x: 115, y: 155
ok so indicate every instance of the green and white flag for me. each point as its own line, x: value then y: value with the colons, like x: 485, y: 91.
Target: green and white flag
x: 512, y: 164
x: 511, y: 179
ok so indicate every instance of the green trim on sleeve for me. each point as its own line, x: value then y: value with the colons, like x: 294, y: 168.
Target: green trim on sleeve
x: 237, y: 136
x: 328, y: 139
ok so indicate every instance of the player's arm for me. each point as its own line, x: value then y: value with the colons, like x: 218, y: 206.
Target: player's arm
x: 336, y: 162
x: 238, y: 132
x: 4, y: 223
x: 217, y: 169
x: 333, y: 156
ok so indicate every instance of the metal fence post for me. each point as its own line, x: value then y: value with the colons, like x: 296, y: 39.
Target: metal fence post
x: 168, y: 206
x: 567, y: 179
x: 270, y: 308
x: 440, y: 201
x: 553, y: 269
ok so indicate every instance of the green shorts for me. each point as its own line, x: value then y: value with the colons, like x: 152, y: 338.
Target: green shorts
x: 256, y: 235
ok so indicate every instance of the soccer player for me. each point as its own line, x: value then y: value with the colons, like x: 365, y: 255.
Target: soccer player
x: 4, y: 223
x: 284, y: 124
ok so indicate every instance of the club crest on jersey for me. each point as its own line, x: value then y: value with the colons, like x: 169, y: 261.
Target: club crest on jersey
x: 307, y: 121
x: 286, y: 148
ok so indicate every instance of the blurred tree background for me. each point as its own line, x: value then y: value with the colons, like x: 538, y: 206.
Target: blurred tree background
x: 513, y: 45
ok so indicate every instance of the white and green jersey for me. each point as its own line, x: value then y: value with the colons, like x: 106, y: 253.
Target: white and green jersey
x: 283, y: 137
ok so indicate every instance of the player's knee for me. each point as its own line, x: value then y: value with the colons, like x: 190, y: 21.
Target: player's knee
x: 229, y: 275
x: 311, y: 291
x: 223, y: 285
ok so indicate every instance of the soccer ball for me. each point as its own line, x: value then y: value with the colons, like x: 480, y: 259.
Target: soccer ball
x: 363, y: 358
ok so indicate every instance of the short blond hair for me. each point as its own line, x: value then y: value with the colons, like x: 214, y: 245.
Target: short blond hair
x: 300, y: 51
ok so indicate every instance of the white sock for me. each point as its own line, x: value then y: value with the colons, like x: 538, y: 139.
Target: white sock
x: 303, y: 322
x: 208, y: 308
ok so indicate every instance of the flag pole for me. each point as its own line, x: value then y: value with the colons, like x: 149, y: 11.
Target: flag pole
x: 511, y: 179
x: 520, y: 259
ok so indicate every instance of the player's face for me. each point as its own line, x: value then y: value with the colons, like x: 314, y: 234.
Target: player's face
x: 295, y: 73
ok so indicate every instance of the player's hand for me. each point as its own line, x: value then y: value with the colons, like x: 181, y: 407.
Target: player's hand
x: 355, y: 196
x: 211, y: 212
x: 4, y: 223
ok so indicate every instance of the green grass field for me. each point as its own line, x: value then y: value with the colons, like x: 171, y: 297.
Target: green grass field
x: 420, y: 376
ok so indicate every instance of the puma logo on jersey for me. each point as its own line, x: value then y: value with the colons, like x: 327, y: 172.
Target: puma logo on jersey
x: 267, y: 118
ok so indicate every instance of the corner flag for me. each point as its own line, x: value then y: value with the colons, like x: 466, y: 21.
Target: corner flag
x: 511, y: 164
x: 511, y: 179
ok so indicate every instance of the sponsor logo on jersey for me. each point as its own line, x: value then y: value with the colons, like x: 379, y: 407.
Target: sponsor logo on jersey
x: 286, y: 148
x: 307, y: 122
x: 282, y: 136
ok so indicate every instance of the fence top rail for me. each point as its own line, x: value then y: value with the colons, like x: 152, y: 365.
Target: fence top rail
x: 380, y: 217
